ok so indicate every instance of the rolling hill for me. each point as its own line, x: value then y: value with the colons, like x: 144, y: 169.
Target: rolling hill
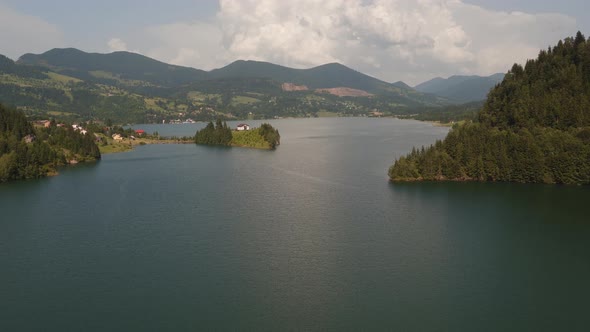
x: 332, y: 75
x: 114, y: 67
x: 130, y: 69
x: 129, y: 87
x: 461, y: 88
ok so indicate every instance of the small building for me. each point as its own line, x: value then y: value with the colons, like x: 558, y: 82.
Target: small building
x: 29, y: 139
x: 140, y: 132
x: 117, y: 137
x: 242, y: 127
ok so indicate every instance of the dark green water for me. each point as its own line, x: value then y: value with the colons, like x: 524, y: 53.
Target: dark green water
x: 308, y: 237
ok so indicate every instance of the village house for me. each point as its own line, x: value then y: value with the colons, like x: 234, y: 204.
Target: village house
x: 42, y: 123
x: 117, y: 137
x: 29, y: 139
x: 140, y: 132
x: 242, y: 127
x: 80, y: 129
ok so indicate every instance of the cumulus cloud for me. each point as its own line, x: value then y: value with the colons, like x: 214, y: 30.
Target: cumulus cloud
x: 116, y: 44
x: 410, y: 40
x: 195, y: 44
x: 391, y: 39
x: 24, y: 33
x: 507, y: 38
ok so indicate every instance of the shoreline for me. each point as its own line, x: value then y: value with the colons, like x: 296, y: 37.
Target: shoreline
x: 126, y: 146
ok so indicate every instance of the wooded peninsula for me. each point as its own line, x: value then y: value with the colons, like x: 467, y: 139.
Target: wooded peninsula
x: 28, y: 152
x: 534, y: 127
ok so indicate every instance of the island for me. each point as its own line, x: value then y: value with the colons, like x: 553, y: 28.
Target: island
x: 263, y: 137
x: 534, y: 127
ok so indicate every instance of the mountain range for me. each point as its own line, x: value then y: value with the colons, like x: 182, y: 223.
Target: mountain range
x: 119, y: 66
x: 461, y: 88
x: 129, y: 87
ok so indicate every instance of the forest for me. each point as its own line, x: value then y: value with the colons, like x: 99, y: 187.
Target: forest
x: 27, y: 152
x: 218, y: 134
x: 533, y: 128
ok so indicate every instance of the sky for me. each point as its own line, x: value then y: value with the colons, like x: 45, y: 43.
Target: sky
x: 407, y: 40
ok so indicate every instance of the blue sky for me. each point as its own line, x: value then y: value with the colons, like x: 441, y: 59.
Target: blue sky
x: 390, y: 39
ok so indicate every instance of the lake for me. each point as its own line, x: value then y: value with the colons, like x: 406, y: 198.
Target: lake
x: 311, y: 236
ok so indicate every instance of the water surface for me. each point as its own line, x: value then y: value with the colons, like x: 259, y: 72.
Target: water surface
x: 308, y: 237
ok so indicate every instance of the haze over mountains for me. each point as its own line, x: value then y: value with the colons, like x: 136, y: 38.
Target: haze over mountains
x: 461, y: 88
x: 131, y: 87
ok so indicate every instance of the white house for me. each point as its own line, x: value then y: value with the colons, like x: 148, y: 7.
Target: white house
x: 242, y: 126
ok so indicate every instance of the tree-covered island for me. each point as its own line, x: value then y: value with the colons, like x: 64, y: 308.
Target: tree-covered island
x: 533, y: 128
x: 264, y: 137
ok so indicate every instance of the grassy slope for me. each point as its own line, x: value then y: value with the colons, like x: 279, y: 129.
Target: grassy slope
x: 249, y: 138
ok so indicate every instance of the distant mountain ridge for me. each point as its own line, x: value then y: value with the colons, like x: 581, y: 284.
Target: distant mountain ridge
x: 69, y: 84
x: 461, y: 88
x: 131, y: 66
x: 119, y: 65
x: 332, y: 75
x: 141, y: 74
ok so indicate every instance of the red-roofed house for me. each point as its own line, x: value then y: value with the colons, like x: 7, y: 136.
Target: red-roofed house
x: 140, y: 132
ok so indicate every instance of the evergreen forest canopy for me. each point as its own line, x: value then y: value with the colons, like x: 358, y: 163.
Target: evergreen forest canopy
x: 27, y: 152
x: 533, y: 128
x: 218, y: 134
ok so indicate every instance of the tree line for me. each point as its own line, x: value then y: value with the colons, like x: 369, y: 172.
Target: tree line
x: 214, y: 134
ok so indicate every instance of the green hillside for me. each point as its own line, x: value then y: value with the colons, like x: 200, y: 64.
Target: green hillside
x: 130, y: 88
x: 534, y: 127
x: 118, y: 67
x: 326, y: 76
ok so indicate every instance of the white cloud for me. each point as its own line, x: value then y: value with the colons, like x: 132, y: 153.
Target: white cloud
x: 410, y: 40
x: 21, y: 34
x: 195, y: 44
x: 116, y: 44
x: 390, y: 39
x: 507, y: 38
